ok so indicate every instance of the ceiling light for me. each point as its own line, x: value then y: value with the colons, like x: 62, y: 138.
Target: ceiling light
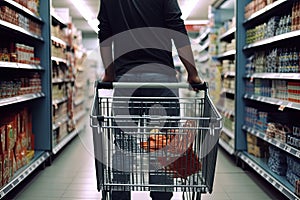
x: 187, y: 7
x: 195, y: 22
x: 94, y: 24
x: 86, y: 13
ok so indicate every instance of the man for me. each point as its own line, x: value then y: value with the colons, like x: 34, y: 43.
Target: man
x: 136, y: 46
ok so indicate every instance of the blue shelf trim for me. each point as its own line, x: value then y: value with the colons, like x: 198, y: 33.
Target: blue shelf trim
x: 261, y: 167
x: 39, y: 158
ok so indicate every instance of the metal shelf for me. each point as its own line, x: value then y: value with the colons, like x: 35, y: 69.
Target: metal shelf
x: 57, y: 40
x: 227, y: 54
x: 228, y: 132
x: 260, y: 166
x: 79, y: 101
x: 57, y: 80
x: 202, y: 58
x: 66, y: 140
x: 15, y: 65
x: 228, y: 34
x: 39, y: 158
x: 274, y: 39
x: 229, y: 91
x: 58, y: 60
x: 58, y: 101
x: 287, y: 76
x: 225, y: 111
x: 226, y: 146
x: 20, y: 30
x: 281, y: 103
x: 229, y: 74
x: 204, y: 34
x: 204, y: 46
x: 60, y: 80
x: 19, y: 99
x: 283, y: 146
x: 58, y: 124
x: 58, y: 19
x: 265, y: 10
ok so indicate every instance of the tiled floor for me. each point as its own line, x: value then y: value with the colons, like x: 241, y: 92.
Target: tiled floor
x: 72, y: 177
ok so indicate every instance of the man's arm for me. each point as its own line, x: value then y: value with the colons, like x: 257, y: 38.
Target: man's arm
x: 179, y: 34
x: 187, y: 58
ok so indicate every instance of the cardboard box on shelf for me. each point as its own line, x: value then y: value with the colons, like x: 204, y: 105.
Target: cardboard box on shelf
x: 1, y: 170
x: 10, y: 136
x: 5, y: 168
x: 256, y: 150
x: 2, y: 138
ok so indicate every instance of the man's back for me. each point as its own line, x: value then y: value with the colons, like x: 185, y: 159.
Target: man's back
x: 122, y: 19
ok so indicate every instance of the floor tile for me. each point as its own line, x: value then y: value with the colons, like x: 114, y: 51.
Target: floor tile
x: 72, y: 176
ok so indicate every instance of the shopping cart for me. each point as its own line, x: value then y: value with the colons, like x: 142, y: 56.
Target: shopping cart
x: 151, y: 151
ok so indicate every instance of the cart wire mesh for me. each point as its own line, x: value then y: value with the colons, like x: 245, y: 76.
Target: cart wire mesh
x: 139, y: 146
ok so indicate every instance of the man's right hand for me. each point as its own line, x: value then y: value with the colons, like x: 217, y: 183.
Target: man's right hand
x: 107, y: 78
x: 194, y: 79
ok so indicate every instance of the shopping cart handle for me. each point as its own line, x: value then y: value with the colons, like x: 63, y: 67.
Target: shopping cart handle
x: 104, y: 85
x: 111, y: 85
x: 200, y: 86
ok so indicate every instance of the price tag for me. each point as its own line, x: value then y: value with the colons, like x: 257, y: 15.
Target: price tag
x: 297, y: 154
x: 258, y: 98
x: 251, y: 79
x: 290, y: 104
x: 281, y: 107
x: 288, y: 149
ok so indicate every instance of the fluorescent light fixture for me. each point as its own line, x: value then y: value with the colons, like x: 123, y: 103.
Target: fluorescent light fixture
x: 94, y: 24
x: 196, y: 22
x: 86, y: 13
x: 187, y: 7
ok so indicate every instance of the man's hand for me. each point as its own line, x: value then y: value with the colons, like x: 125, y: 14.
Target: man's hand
x: 195, y: 79
x: 107, y: 78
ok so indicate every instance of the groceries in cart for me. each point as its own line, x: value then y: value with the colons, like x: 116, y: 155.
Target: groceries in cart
x: 181, y: 160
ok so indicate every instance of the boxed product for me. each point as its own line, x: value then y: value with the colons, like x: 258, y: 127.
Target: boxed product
x: 2, y: 138
x: 297, y: 188
x: 10, y: 136
x: 292, y: 177
x: 5, y: 168
x: 18, y: 150
x: 1, y: 170
x: 11, y: 164
x: 277, y: 161
x: 293, y: 165
x: 256, y: 146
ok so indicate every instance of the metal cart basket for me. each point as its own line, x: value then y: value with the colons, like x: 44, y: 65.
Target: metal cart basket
x: 149, y: 149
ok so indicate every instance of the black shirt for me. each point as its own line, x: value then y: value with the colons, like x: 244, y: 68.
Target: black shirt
x: 141, y: 31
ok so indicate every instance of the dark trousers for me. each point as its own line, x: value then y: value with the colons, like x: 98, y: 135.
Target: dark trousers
x: 140, y: 107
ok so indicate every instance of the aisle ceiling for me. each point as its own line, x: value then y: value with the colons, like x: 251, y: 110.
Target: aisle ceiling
x: 199, y: 11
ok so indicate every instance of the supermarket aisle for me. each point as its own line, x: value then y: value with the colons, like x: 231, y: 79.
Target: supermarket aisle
x: 72, y: 177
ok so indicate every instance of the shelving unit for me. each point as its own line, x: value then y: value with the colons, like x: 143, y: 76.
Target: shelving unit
x: 268, y: 105
x: 66, y: 81
x: 27, y: 100
x: 26, y: 91
x: 226, y: 58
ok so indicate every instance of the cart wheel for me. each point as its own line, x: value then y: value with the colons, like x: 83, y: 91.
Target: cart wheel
x: 106, y: 195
